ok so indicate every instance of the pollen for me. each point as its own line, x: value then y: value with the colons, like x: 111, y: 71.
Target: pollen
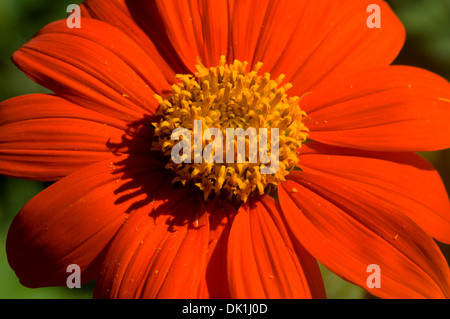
x: 229, y: 99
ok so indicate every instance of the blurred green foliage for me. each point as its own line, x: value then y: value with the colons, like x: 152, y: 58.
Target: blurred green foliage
x: 428, y: 46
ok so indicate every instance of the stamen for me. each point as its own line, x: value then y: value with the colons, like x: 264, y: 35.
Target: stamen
x: 229, y: 97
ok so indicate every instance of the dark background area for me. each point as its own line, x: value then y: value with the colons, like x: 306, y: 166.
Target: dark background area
x: 427, y: 23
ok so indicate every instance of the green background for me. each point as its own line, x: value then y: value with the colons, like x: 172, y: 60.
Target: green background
x: 427, y: 23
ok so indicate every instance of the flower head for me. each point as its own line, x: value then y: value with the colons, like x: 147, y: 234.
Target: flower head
x: 227, y: 98
x: 343, y: 125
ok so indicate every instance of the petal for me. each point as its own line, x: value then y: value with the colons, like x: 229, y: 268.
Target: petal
x: 277, y: 22
x: 261, y: 259
x: 129, y: 19
x: 348, y: 230
x: 159, y: 253
x: 215, y: 284
x: 215, y: 25
x: 96, y: 66
x: 73, y: 220
x: 247, y: 23
x: 44, y: 137
x: 313, y: 41
x: 197, y: 29
x: 405, y: 181
x: 396, y: 108
x: 182, y: 23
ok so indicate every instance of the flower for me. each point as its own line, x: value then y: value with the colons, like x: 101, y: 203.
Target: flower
x: 351, y: 192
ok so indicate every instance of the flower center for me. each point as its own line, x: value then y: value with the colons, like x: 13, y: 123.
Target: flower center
x: 230, y: 132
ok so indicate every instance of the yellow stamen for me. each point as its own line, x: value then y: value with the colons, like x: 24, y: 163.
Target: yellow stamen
x: 224, y: 97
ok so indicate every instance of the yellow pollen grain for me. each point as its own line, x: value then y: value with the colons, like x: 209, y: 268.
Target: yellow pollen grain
x: 228, y: 96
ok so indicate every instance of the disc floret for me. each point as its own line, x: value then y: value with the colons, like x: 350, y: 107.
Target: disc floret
x: 227, y: 96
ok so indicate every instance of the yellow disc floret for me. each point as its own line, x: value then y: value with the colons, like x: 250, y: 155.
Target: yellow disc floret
x: 223, y: 98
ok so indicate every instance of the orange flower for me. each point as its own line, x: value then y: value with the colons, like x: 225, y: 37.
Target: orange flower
x: 356, y: 194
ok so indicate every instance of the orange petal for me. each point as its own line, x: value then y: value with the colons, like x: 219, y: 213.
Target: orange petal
x: 396, y: 108
x: 73, y: 220
x: 277, y: 28
x: 313, y: 41
x: 198, y: 29
x: 404, y: 181
x: 215, y: 26
x: 215, y: 284
x: 261, y: 259
x: 45, y: 137
x: 96, y: 66
x: 183, y: 26
x: 128, y: 18
x: 159, y: 253
x: 247, y: 23
x: 348, y: 230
